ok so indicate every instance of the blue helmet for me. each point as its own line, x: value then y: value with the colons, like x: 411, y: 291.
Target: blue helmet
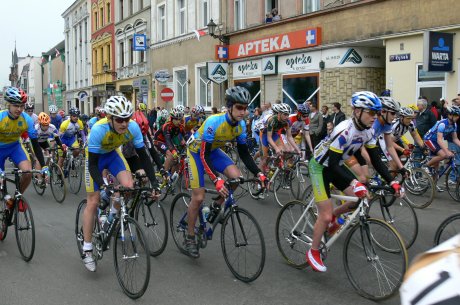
x: 303, y: 109
x: 366, y: 100
x: 13, y: 96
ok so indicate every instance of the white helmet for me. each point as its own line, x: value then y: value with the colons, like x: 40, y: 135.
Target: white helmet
x: 176, y: 113
x: 53, y: 109
x: 281, y: 108
x: 180, y: 108
x: 390, y: 103
x: 164, y: 113
x: 223, y: 109
x: 119, y: 106
x: 406, y: 112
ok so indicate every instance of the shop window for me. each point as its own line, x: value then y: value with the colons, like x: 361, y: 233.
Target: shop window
x: 180, y: 84
x: 204, y: 88
x: 298, y: 88
x: 253, y: 86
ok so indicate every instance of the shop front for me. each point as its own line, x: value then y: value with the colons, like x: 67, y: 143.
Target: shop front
x: 248, y: 74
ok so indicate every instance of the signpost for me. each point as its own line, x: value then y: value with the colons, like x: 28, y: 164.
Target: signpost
x: 167, y: 94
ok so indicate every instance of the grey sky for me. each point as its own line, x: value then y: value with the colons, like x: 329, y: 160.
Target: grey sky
x: 37, y: 26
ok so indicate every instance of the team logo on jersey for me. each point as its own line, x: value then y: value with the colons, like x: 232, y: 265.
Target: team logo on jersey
x: 351, y: 56
x: 210, y: 130
x: 20, y: 124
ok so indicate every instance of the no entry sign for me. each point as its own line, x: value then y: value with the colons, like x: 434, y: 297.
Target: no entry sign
x: 167, y: 94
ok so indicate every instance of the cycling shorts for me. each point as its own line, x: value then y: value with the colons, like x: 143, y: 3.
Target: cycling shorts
x: 219, y: 160
x: 113, y: 161
x: 70, y: 142
x: 321, y: 180
x: 16, y: 151
x: 265, y: 146
x: 433, y: 146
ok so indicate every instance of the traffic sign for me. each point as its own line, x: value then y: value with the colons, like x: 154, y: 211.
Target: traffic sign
x: 167, y: 94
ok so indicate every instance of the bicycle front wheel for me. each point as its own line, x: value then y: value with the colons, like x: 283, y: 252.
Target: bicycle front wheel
x: 25, y: 229
x: 178, y: 220
x: 282, y: 186
x: 243, y: 245
x: 75, y: 176
x: 447, y: 229
x: 420, y: 188
x: 57, y: 183
x: 38, y: 185
x: 152, y: 218
x: 452, y: 182
x: 131, y: 258
x: 375, y: 259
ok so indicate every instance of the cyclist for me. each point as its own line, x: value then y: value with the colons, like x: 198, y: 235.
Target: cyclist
x: 29, y: 109
x: 162, y: 118
x: 206, y: 156
x: 56, y: 118
x: 327, y: 167
x: 103, y: 153
x: 300, y: 126
x: 70, y: 130
x: 46, y: 131
x: 13, y: 122
x: 194, y: 120
x: 100, y: 114
x: 434, y: 139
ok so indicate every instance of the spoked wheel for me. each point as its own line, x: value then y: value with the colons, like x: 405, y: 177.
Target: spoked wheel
x: 420, y: 188
x: 97, y: 248
x: 375, y: 259
x: 4, y: 220
x: 243, y: 245
x: 75, y: 176
x: 25, y: 229
x: 178, y: 220
x: 152, y: 219
x: 57, y: 183
x: 131, y: 258
x: 400, y: 215
x: 452, y: 182
x: 300, y: 180
x: 448, y: 228
x: 39, y: 186
x: 294, y: 241
x: 282, y: 187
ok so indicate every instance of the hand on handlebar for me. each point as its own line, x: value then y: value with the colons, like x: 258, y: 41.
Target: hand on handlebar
x: 220, y: 187
x: 399, y: 191
x: 262, y: 179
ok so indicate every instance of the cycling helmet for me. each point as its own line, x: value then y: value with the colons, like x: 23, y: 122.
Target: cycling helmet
x: 390, y: 104
x: 406, y: 112
x: 281, y: 108
x: 29, y: 106
x: 23, y: 95
x: 100, y: 111
x: 84, y: 117
x: 61, y: 113
x: 223, y: 109
x: 303, y: 109
x: 180, y: 108
x: 13, y: 96
x: 197, y: 109
x: 414, y: 107
x: 119, y: 106
x: 164, y: 113
x: 142, y: 121
x: 176, y: 113
x: 74, y: 111
x: 238, y: 95
x: 44, y: 119
x: 142, y: 107
x: 366, y: 100
x: 53, y: 109
x: 454, y: 110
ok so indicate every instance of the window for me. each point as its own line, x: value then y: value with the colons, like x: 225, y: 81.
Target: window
x: 310, y: 6
x: 162, y: 22
x: 181, y: 17
x: 131, y: 52
x: 121, y: 51
x: 270, y: 4
x: 204, y: 13
x: 108, y: 12
x: 131, y: 5
x: 101, y: 14
x: 239, y: 14
x: 180, y: 82
x: 141, y: 56
x: 95, y: 62
x: 121, y: 10
x: 141, y: 4
x: 95, y: 20
x: 109, y: 60
x: 431, y: 85
x: 204, y: 88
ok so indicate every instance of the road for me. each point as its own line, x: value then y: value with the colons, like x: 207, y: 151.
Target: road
x: 56, y: 274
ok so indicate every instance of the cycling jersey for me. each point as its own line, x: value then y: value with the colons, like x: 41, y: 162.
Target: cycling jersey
x: 56, y: 121
x: 70, y: 129
x: 276, y: 126
x: 442, y: 126
x: 298, y: 124
x: 379, y: 128
x: 191, y: 124
x: 262, y: 121
x: 398, y: 129
x: 92, y: 121
x: 11, y: 130
x: 44, y: 135
x: 168, y: 133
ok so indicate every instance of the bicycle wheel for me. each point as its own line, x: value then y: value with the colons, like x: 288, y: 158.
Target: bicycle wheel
x: 96, y: 236
x: 374, y: 272
x: 57, y: 183
x: 243, y: 245
x: 447, y: 229
x: 282, y: 187
x: 294, y: 241
x: 38, y: 186
x: 24, y: 228
x: 178, y: 219
x: 4, y: 219
x: 420, y: 188
x: 75, y: 176
x: 451, y: 184
x: 400, y: 215
x: 300, y: 181
x: 131, y: 258
x: 152, y: 219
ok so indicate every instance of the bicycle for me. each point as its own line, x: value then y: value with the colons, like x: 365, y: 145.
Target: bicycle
x: 240, y: 230
x: 18, y: 214
x: 447, y: 229
x: 374, y: 255
x: 181, y: 178
x: 130, y: 248
x: 73, y: 169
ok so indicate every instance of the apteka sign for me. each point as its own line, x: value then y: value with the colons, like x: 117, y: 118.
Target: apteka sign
x: 282, y: 42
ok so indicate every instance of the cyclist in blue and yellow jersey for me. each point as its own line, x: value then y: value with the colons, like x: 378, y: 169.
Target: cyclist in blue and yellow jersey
x: 13, y: 122
x: 56, y: 118
x: 100, y: 114
x: 327, y: 167
x: 103, y: 152
x: 206, y: 156
x: 70, y: 130
x: 194, y: 120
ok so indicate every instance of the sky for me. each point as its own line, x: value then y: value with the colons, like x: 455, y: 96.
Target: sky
x: 36, y: 26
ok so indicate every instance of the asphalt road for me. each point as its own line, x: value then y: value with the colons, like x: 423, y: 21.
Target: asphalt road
x: 56, y: 274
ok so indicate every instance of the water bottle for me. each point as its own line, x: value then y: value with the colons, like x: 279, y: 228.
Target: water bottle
x: 205, y: 211
x: 334, y: 226
x: 9, y: 201
x: 215, y: 210
x: 103, y: 220
x: 105, y: 199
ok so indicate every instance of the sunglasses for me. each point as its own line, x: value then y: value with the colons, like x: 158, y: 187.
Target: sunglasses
x: 305, y: 115
x: 372, y: 112
x: 121, y: 120
x: 240, y: 107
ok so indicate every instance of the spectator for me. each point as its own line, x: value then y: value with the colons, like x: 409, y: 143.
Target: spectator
x: 152, y: 117
x: 329, y: 128
x: 187, y: 110
x: 276, y: 16
x: 443, y: 110
x: 338, y: 115
x: 214, y: 110
x: 316, y: 124
x: 425, y: 118
x: 268, y: 18
x: 326, y: 119
x: 434, y: 109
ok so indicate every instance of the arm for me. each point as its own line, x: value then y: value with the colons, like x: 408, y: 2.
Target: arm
x: 147, y: 166
x: 455, y: 138
x: 205, y: 156
x: 417, y: 139
x: 440, y: 139
x: 392, y: 150
x: 291, y: 140
x: 320, y: 124
x: 38, y: 151
x: 93, y: 168
x: 307, y: 137
x: 378, y: 164
x: 168, y: 139
x: 333, y: 165
x: 248, y: 161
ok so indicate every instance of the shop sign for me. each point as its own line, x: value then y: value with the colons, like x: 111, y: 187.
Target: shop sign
x: 162, y: 76
x: 245, y: 69
x: 144, y: 85
x: 354, y: 58
x: 126, y: 88
x: 136, y: 83
x: 139, y: 42
x: 269, y: 65
x: 217, y: 72
x: 283, y: 42
x: 302, y: 62
x: 437, y: 51
x: 400, y: 57
x: 221, y: 52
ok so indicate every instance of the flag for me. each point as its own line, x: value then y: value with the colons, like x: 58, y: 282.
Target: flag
x: 199, y: 33
x: 57, y: 52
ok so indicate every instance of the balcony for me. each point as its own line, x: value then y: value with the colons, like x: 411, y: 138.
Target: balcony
x: 133, y: 71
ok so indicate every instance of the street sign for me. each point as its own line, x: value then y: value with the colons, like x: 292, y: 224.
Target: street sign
x: 162, y: 76
x: 167, y: 94
x: 139, y: 42
x: 217, y: 72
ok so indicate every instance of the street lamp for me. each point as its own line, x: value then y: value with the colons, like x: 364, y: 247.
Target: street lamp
x: 212, y: 32
x: 105, y: 68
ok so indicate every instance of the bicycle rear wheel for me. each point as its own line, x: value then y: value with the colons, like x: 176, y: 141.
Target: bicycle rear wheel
x: 131, y: 258
x: 57, y: 183
x: 24, y: 228
x: 282, y: 186
x: 420, y: 188
x: 375, y: 259
x: 451, y: 184
x: 178, y: 219
x: 75, y: 176
x: 243, y: 245
x: 152, y: 219
x: 4, y: 219
x: 294, y: 241
x: 300, y: 180
x: 38, y: 185
x: 447, y: 229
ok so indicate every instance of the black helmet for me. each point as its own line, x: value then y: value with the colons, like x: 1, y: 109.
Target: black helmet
x: 238, y: 95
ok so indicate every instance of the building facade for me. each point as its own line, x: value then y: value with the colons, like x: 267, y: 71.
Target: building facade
x: 77, y: 33
x: 53, y: 77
